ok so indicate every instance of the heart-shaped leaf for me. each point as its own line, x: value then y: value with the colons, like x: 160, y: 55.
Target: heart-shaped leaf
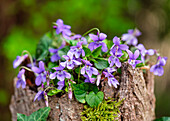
x: 101, y: 64
x: 39, y: 115
x: 96, y: 52
x: 43, y: 45
x: 94, y: 99
x: 87, y: 51
x: 80, y: 90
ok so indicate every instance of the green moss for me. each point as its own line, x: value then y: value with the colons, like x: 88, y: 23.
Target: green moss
x: 108, y: 110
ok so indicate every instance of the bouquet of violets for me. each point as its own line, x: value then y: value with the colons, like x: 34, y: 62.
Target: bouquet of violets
x: 77, y: 64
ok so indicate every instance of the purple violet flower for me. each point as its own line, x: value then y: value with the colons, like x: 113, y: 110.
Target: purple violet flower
x: 19, y: 60
x: 54, y: 57
x: 75, y: 37
x: 64, y: 29
x: 60, y: 74
x: 117, y: 48
x: 88, y: 69
x: 143, y: 51
x: 70, y: 61
x: 130, y: 37
x: 40, y: 73
x: 158, y: 69
x: 39, y: 95
x: 132, y: 58
x: 111, y: 79
x: 77, y: 50
x: 98, y: 42
x: 114, y: 60
x: 61, y: 84
x: 21, y: 79
x: 89, y: 79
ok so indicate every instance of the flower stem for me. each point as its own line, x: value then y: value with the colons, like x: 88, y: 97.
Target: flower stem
x: 25, y: 68
x: 91, y: 31
x: 31, y: 60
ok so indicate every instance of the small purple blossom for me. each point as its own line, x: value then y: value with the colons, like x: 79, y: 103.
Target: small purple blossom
x: 130, y: 37
x: 77, y: 50
x: 75, y: 37
x: 40, y: 73
x: 21, y: 79
x: 117, y: 48
x: 19, y: 60
x: 39, y: 95
x: 114, y: 60
x: 88, y: 69
x: 70, y: 62
x: 61, y: 84
x: 132, y: 58
x: 55, y: 57
x: 60, y: 74
x: 111, y: 79
x: 158, y: 69
x: 144, y: 52
x: 61, y: 28
x: 89, y: 79
x: 98, y: 42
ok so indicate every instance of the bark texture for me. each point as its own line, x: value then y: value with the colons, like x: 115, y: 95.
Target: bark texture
x: 136, y: 87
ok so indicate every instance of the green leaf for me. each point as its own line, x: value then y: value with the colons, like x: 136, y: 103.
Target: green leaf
x: 54, y: 92
x: 42, y: 47
x: 63, y: 51
x: 91, y: 59
x: 163, y: 119
x: 101, y: 64
x: 80, y: 90
x: 124, y: 57
x: 71, y: 42
x: 94, y: 99
x: 109, y: 43
x: 39, y: 115
x: 21, y: 117
x: 87, y: 51
x: 96, y: 52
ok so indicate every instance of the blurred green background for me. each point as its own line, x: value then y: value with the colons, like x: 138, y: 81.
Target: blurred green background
x: 23, y: 22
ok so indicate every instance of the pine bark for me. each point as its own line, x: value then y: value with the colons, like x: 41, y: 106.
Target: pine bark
x: 136, y: 87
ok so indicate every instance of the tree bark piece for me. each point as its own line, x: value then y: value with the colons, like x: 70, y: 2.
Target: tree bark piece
x: 136, y: 87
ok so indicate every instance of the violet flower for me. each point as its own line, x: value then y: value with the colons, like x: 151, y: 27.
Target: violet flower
x: 117, y: 48
x: 98, y: 42
x: 88, y: 69
x: 111, y: 79
x: 158, y: 69
x: 114, y: 60
x: 55, y: 57
x: 39, y: 95
x: 21, y: 79
x: 132, y: 58
x: 130, y: 37
x: 89, y: 79
x: 75, y: 37
x: 60, y: 74
x: 61, y: 84
x: 70, y: 62
x: 40, y: 73
x: 64, y: 29
x: 19, y: 60
x: 143, y: 51
x: 77, y: 50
